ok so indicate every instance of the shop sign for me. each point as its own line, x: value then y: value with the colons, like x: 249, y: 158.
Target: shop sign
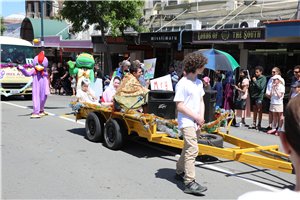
x: 160, y: 37
x: 249, y: 34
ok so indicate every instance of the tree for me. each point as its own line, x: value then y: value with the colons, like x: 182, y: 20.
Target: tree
x: 3, y: 28
x: 114, y: 15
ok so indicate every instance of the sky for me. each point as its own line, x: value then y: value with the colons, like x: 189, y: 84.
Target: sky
x: 9, y: 7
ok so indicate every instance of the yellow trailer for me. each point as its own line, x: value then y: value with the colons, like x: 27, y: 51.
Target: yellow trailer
x: 104, y: 125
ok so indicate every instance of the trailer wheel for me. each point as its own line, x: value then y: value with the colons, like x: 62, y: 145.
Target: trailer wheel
x: 214, y: 140
x: 94, y: 127
x: 114, y: 134
x: 28, y: 97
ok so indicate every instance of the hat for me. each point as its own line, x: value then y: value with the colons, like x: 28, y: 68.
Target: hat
x: 172, y: 65
x: 175, y: 78
x: 86, y: 81
x: 206, y: 79
x: 278, y: 77
x: 296, y: 84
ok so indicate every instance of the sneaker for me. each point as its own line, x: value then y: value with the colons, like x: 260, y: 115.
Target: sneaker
x: 252, y: 126
x: 277, y: 133
x: 272, y: 131
x: 258, y: 127
x: 194, y: 188
x: 240, y: 124
x: 180, y: 177
x: 269, y: 128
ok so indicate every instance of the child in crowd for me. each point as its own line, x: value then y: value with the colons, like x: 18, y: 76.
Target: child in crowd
x: 206, y: 84
x: 276, y: 106
x: 242, y: 89
x: 218, y: 86
x: 296, y: 88
x: 174, y: 81
x: 73, y: 85
x: 86, y: 94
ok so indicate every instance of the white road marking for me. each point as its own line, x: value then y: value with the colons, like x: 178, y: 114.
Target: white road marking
x: 50, y: 114
x: 175, y: 155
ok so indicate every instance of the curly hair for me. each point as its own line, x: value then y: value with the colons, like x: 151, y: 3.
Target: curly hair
x: 193, y: 61
x: 260, y: 68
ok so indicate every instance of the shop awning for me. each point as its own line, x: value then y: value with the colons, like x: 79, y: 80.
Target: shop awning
x: 31, y: 28
x: 286, y: 31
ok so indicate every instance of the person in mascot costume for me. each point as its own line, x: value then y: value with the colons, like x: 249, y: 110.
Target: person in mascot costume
x: 85, y: 63
x: 40, y: 85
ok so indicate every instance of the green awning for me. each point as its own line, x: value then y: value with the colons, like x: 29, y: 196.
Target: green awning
x: 31, y: 28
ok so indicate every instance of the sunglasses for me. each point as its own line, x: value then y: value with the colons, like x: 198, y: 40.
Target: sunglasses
x: 296, y: 72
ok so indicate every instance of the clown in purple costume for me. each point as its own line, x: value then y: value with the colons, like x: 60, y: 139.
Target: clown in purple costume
x: 40, y: 85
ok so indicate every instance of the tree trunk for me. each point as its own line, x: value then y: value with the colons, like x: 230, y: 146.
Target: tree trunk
x: 104, y: 40
x: 107, y: 49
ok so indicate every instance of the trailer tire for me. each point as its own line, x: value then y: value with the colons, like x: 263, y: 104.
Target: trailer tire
x: 28, y: 97
x: 215, y: 140
x: 94, y: 127
x: 114, y: 134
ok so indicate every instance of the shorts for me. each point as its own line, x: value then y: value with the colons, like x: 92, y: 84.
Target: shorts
x: 276, y: 107
x: 255, y: 102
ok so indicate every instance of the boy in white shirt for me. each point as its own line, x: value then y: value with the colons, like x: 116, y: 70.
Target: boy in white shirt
x: 190, y: 106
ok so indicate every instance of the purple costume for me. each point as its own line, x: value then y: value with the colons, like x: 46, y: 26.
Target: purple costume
x: 40, y: 85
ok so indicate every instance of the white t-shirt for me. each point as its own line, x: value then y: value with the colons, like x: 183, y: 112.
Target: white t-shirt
x: 275, y: 99
x: 85, y: 97
x: 190, y: 94
x: 263, y: 195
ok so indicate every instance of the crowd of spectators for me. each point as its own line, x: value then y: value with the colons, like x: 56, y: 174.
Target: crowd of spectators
x: 251, y: 91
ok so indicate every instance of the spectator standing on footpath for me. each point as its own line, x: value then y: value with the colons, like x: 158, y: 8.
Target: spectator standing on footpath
x: 275, y: 71
x: 98, y: 87
x: 228, y: 84
x: 257, y: 88
x: 172, y: 71
x: 206, y: 84
x: 65, y: 80
x: 174, y: 81
x: 296, y: 88
x: 243, y: 91
x: 218, y: 86
x: 190, y: 106
x: 121, y: 71
x: 276, y: 106
x: 222, y: 75
x: 290, y: 141
x: 295, y: 79
x: 73, y: 85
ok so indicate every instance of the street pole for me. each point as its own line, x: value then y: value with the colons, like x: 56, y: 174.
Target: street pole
x: 42, y: 25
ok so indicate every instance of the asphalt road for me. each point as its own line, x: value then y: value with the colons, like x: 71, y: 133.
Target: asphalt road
x: 50, y: 158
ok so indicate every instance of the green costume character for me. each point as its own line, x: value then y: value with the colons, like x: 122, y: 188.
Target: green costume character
x: 85, y: 64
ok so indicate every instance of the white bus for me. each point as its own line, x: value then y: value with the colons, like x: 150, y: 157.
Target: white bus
x: 15, y: 52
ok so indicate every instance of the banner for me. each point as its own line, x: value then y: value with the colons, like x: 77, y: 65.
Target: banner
x: 162, y: 83
x: 149, y: 68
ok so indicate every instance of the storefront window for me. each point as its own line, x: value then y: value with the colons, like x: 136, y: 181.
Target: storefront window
x: 270, y: 58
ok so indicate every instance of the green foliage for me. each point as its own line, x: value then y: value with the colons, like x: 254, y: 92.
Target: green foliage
x: 114, y: 15
x: 3, y: 28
